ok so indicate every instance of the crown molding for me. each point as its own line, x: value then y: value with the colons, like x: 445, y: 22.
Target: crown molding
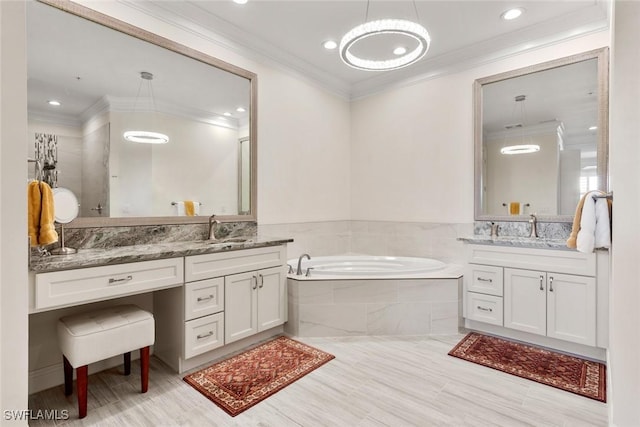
x: 195, y: 20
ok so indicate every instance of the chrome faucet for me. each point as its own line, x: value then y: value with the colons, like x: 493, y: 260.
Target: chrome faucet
x: 533, y: 221
x: 299, y: 271
x: 212, y: 227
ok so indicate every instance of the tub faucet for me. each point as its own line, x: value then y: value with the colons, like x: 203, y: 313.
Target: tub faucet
x: 299, y: 270
x: 212, y: 227
x: 533, y: 221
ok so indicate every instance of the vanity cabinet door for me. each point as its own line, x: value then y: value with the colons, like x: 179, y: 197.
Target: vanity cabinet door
x: 571, y: 308
x: 525, y: 300
x: 240, y: 302
x: 272, y: 298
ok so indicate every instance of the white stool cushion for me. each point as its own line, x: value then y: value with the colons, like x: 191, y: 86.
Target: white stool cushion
x: 97, y: 335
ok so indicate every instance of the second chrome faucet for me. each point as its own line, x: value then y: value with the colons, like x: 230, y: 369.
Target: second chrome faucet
x: 299, y: 270
x: 533, y: 221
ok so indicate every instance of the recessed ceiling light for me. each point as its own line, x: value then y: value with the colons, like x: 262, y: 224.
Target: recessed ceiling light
x: 54, y: 103
x: 228, y: 114
x: 593, y: 128
x: 240, y: 1
x: 330, y: 44
x: 240, y: 110
x: 400, y: 50
x: 512, y: 14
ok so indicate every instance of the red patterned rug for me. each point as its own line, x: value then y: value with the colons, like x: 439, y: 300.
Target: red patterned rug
x: 562, y: 371
x: 238, y: 383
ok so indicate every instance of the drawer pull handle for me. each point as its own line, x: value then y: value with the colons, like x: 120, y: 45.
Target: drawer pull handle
x: 113, y: 281
x: 481, y: 308
x: 551, y: 284
x: 207, y: 335
x: 541, y: 279
x: 200, y: 299
x: 261, y: 278
x: 254, y: 280
x: 482, y: 279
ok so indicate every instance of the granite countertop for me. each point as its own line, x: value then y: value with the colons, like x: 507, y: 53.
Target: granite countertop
x: 125, y: 254
x: 524, y: 242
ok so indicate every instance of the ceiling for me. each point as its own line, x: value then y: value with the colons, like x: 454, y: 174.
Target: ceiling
x: 463, y: 33
x: 85, y: 61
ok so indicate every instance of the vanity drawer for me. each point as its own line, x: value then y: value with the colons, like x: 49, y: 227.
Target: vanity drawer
x: 70, y: 287
x: 485, y: 279
x: 203, y: 298
x: 484, y: 308
x: 207, y: 266
x: 203, y: 334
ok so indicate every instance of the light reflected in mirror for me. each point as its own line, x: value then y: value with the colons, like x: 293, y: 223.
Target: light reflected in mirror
x: 97, y: 75
x: 541, y: 138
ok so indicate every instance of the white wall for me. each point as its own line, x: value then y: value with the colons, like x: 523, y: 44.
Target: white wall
x: 624, y: 331
x: 412, y: 147
x: 13, y: 210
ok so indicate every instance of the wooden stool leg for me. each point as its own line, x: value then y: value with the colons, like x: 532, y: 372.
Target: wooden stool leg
x: 68, y: 377
x: 81, y: 387
x: 144, y: 368
x: 127, y: 363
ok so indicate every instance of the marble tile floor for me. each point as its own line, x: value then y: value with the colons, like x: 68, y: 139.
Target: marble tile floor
x: 373, y: 381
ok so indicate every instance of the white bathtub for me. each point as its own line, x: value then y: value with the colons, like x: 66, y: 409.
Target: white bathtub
x: 373, y: 295
x: 367, y: 266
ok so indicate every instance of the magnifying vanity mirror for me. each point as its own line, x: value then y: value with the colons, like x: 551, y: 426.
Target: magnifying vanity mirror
x: 91, y: 78
x: 541, y: 138
x: 65, y: 210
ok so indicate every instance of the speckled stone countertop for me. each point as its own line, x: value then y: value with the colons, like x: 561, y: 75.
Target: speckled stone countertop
x: 125, y: 254
x: 515, y: 241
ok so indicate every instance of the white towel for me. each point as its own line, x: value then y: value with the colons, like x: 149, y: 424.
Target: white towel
x: 594, y: 225
x: 603, y: 224
x: 180, y: 210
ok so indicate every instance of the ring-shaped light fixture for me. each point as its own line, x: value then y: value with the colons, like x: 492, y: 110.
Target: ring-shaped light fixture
x: 145, y: 137
x: 520, y: 149
x: 384, y: 26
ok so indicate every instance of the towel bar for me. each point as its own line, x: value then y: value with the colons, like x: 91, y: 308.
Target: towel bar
x: 608, y: 196
x: 175, y: 203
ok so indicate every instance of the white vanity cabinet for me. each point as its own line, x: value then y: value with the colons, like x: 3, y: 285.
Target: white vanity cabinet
x: 561, y: 306
x: 255, y: 301
x: 552, y: 297
x: 227, y: 296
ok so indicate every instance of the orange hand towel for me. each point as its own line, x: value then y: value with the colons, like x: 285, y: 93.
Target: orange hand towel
x: 47, y: 234
x: 189, y: 208
x: 34, y: 201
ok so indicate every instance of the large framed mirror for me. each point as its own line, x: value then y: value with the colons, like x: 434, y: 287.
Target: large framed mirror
x: 94, y: 80
x: 541, y: 138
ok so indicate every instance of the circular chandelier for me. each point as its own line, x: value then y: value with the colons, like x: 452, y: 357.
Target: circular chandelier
x: 382, y: 27
x: 145, y: 137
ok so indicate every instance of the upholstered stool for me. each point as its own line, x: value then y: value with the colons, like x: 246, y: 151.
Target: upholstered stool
x: 97, y: 335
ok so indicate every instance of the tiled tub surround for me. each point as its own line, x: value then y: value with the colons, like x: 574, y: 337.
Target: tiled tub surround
x: 335, y: 306
x: 384, y: 238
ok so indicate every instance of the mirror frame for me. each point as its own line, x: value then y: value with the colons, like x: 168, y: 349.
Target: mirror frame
x: 131, y: 30
x: 602, y: 56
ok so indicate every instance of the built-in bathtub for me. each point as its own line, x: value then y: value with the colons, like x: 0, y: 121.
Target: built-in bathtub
x: 374, y: 295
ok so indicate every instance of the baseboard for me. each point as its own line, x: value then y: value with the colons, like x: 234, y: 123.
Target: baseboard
x: 53, y: 376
